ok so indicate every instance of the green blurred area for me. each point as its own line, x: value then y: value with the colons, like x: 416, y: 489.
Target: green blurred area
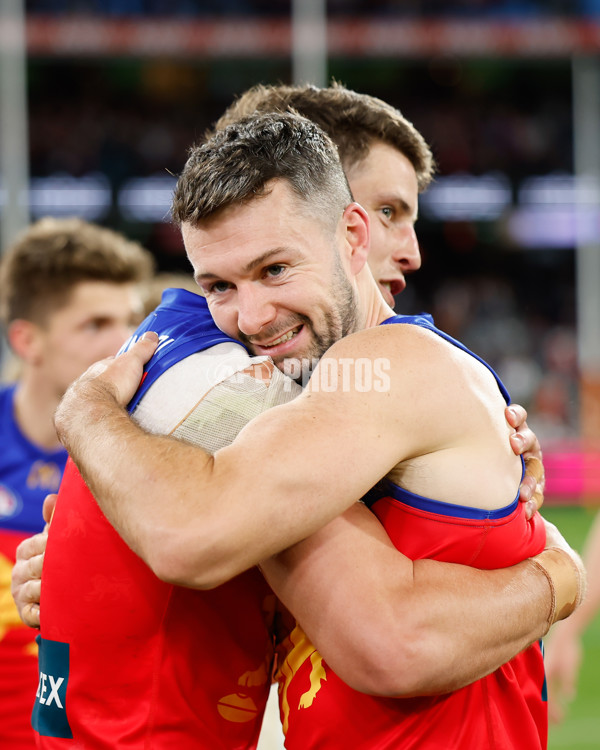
x: 581, y: 728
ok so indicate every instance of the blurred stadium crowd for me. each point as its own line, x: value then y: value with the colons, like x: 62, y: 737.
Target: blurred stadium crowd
x: 493, y: 8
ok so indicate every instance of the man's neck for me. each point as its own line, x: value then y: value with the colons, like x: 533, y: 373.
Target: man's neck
x: 373, y: 307
x: 34, y: 412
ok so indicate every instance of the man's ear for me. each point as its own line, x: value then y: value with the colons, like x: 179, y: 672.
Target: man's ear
x: 357, y: 235
x: 24, y: 338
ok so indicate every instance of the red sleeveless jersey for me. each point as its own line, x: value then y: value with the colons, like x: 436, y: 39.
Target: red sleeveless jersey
x: 18, y: 657
x: 504, y: 711
x: 128, y: 661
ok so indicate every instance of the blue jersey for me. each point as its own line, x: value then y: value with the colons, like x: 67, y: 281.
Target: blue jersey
x: 27, y: 472
x: 184, y: 326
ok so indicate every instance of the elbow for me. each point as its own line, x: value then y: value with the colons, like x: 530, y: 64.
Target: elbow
x: 187, y: 561
x: 174, y: 568
x: 385, y: 679
x: 402, y: 667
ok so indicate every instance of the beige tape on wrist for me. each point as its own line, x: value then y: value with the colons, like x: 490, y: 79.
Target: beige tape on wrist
x: 566, y: 580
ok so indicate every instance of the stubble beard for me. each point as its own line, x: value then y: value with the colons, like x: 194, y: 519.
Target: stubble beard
x: 338, y: 321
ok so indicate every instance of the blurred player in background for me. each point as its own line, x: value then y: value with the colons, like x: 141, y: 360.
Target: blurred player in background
x: 68, y: 292
x: 564, y: 650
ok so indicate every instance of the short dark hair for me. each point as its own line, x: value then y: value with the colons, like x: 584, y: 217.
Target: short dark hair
x: 353, y: 121
x: 240, y: 162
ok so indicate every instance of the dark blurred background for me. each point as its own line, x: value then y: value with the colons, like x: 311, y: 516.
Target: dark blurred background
x: 117, y: 90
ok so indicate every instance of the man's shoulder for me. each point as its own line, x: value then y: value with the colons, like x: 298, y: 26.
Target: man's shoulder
x: 385, y: 363
x: 388, y: 339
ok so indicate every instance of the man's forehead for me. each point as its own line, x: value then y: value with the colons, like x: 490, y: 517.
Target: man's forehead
x: 244, y: 243
x: 98, y: 299
x: 385, y: 173
x: 232, y: 217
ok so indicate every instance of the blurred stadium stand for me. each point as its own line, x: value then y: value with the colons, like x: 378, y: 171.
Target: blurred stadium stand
x: 119, y: 89
x: 493, y: 8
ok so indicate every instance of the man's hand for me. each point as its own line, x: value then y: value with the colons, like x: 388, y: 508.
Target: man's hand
x: 26, y: 578
x: 524, y: 442
x: 111, y: 381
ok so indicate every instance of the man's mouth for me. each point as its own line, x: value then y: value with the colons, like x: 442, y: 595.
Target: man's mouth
x: 393, y: 287
x: 281, y: 340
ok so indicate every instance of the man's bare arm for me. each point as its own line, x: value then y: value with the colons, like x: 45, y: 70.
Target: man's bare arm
x: 390, y: 626
x: 199, y: 520
x: 386, y: 625
x: 449, y: 624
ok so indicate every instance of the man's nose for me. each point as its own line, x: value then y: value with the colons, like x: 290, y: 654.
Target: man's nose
x: 406, y: 251
x: 255, y: 309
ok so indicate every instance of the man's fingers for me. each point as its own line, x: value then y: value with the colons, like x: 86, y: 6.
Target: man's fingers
x: 111, y: 380
x: 31, y: 547
x: 556, y: 703
x: 531, y: 490
x: 24, y: 572
x: 26, y: 581
x: 30, y: 615
x: 145, y: 347
x: 140, y: 353
x: 524, y: 441
x: 124, y: 372
x: 515, y: 415
x: 534, y: 468
x: 48, y: 507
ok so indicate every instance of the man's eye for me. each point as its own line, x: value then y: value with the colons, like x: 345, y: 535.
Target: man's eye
x: 275, y: 270
x: 387, y: 212
x: 218, y: 287
x: 96, y: 324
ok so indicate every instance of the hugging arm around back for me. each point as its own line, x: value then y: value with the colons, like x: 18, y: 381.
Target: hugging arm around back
x: 389, y: 626
x: 225, y: 513
x: 288, y: 473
